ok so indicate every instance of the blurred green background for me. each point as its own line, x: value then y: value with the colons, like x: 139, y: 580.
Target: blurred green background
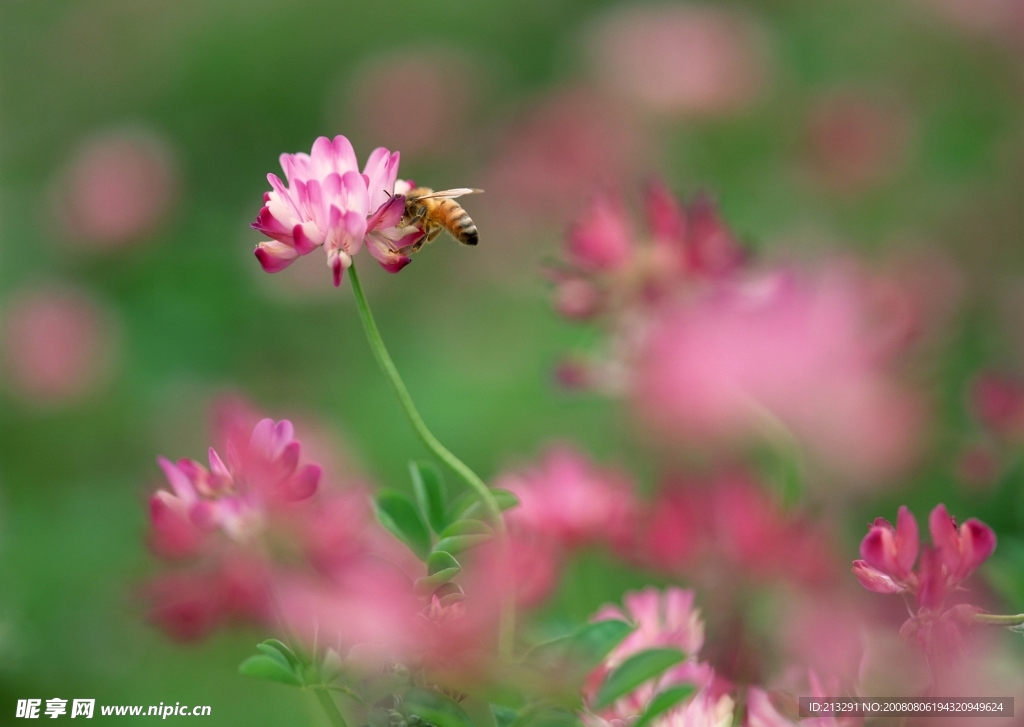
x: 174, y: 309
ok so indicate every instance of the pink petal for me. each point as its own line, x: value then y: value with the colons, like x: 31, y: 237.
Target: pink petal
x: 945, y: 537
x: 907, y: 540
x: 874, y: 580
x: 275, y: 256
x: 179, y: 482
x: 931, y: 591
x: 302, y: 484
x: 979, y: 542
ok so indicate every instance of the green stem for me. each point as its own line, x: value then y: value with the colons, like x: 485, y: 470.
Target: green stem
x: 456, y: 465
x: 996, y: 619
x: 327, y: 702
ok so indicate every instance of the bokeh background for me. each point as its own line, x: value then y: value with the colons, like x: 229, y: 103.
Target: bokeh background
x: 134, y: 142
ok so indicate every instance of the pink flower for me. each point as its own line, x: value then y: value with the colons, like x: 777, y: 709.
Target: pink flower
x: 188, y: 605
x: 329, y: 203
x: 663, y: 620
x: 752, y: 353
x: 888, y: 555
x: 734, y: 524
x: 262, y: 471
x: 570, y: 500
x: 600, y: 239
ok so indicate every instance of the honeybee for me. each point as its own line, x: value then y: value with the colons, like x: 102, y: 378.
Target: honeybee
x: 433, y: 212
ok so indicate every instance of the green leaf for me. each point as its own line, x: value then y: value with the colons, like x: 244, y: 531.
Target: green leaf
x: 634, y: 671
x: 468, y: 504
x: 460, y: 543
x: 440, y: 561
x: 430, y: 494
x: 467, y: 527
x: 664, y: 701
x: 262, y: 666
x: 441, y: 568
x: 397, y: 513
x: 462, y: 535
x: 434, y: 707
x: 503, y: 716
x: 331, y: 667
x: 585, y: 647
x: 279, y: 646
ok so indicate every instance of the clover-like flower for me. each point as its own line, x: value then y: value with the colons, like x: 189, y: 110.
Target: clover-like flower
x: 328, y: 203
x: 888, y: 555
x: 260, y: 472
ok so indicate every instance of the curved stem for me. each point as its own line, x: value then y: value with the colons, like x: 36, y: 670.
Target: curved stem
x: 996, y: 619
x: 327, y: 702
x: 456, y: 465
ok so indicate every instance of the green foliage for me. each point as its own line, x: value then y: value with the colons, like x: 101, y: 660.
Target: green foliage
x: 433, y: 707
x: 398, y: 514
x: 430, y: 494
x: 263, y: 666
x: 664, y: 701
x: 634, y: 671
x: 441, y: 568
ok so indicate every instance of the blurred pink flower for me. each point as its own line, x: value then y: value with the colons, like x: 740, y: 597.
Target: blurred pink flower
x: 773, y: 349
x: 997, y: 402
x: 855, y: 141
x: 978, y: 466
x: 329, y: 203
x: 189, y: 605
x: 568, y: 499
x: 600, y: 239
x: 762, y: 713
x: 663, y: 619
x: 117, y: 188
x: 734, y: 523
x: 58, y: 344
x: 437, y: 84
x: 553, y: 156
x: 262, y: 471
x: 687, y: 59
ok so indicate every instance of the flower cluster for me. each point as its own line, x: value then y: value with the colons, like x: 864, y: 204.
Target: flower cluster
x: 708, y: 349
x: 888, y: 556
x: 732, y: 523
x: 328, y: 203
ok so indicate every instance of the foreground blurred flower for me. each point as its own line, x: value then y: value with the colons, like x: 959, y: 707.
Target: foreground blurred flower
x: 568, y: 499
x: 778, y: 348
x: 260, y: 473
x: 329, y: 203
x: 57, y: 344
x: 665, y: 619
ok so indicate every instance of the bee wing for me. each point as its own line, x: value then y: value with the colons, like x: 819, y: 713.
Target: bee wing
x: 449, y: 193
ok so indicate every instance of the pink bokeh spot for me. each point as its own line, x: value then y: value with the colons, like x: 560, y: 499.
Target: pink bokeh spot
x: 58, y: 344
x: 117, y: 189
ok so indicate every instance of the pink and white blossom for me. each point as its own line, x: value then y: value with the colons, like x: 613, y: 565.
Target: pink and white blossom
x: 662, y: 619
x: 329, y: 203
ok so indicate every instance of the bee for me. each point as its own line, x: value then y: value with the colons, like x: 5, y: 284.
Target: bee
x: 433, y: 212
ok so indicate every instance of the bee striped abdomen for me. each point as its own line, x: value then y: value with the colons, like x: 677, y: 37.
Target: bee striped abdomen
x: 458, y: 222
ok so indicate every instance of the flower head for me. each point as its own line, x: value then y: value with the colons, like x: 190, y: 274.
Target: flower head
x: 328, y: 203
x: 261, y: 471
x: 665, y: 619
x: 888, y: 555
